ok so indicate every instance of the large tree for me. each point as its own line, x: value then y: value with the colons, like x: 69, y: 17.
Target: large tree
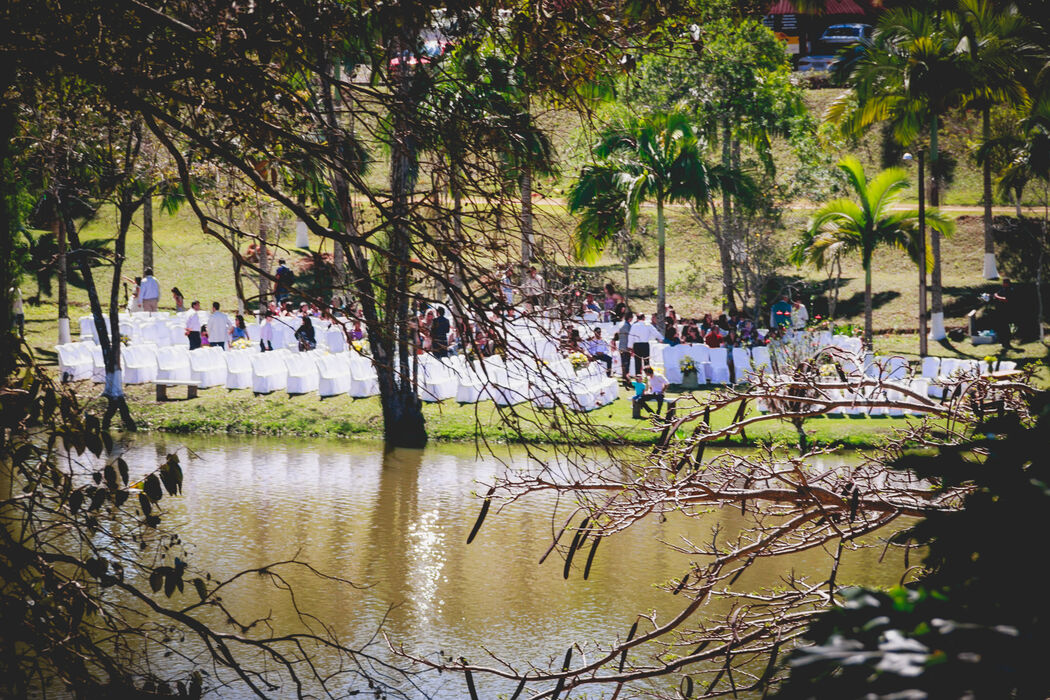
x: 996, y: 42
x: 844, y: 226
x: 654, y: 158
x: 911, y: 74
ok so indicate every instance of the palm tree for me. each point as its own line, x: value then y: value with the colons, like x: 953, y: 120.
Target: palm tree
x: 911, y: 74
x: 997, y: 47
x: 843, y: 226
x: 652, y: 158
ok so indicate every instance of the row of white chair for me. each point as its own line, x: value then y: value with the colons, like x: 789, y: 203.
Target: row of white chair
x: 713, y: 364
x: 944, y: 371
x: 860, y: 401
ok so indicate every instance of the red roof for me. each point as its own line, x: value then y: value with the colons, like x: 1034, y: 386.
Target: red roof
x: 831, y: 7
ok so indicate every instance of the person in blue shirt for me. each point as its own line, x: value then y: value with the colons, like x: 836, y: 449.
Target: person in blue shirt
x: 780, y: 313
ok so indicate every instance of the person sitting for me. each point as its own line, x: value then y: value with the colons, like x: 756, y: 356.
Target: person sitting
x: 357, y: 333
x: 713, y: 339
x: 671, y: 336
x: 691, y: 334
x: 305, y: 335
x: 239, y: 329
x: 598, y: 351
x: 574, y: 343
x: 656, y: 385
x: 591, y: 309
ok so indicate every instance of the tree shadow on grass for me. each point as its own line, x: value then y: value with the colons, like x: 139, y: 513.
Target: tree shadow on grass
x: 854, y: 305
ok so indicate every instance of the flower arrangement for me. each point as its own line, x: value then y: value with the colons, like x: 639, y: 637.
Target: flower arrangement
x: 686, y: 365
x: 125, y: 340
x: 360, y: 347
x: 990, y: 361
x: 819, y: 323
x: 578, y: 360
x: 241, y: 344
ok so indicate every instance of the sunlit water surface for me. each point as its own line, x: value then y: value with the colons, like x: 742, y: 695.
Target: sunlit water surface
x: 397, y: 522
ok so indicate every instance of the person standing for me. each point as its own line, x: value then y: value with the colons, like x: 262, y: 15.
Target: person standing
x: 180, y: 301
x: 218, y: 327
x: 641, y: 334
x: 609, y: 302
x: 624, y: 345
x: 193, y: 325
x: 1003, y: 313
x: 284, y: 277
x: 532, y: 289
x: 506, y: 287
x: 266, y: 332
x: 149, y: 291
x: 799, y: 316
x: 439, y: 329
x: 780, y: 313
x: 135, y: 303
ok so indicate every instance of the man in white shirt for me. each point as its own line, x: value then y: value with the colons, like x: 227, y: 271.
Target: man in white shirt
x: 642, y: 333
x: 193, y: 325
x: 799, y: 316
x: 218, y: 327
x: 532, y: 289
x: 149, y: 291
x: 656, y: 385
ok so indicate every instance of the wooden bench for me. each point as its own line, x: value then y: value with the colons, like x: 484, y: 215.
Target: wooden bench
x: 163, y: 384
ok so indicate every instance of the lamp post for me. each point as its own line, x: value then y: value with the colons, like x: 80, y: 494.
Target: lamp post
x: 922, y: 251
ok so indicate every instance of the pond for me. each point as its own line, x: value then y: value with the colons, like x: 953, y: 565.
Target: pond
x: 397, y: 522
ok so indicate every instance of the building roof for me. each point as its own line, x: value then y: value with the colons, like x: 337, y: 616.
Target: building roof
x: 831, y: 7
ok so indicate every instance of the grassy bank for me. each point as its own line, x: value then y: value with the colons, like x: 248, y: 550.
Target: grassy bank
x: 218, y: 410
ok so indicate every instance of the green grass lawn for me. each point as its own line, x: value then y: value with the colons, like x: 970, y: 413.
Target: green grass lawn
x: 218, y: 410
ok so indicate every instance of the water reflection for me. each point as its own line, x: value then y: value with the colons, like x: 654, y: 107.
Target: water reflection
x: 396, y: 521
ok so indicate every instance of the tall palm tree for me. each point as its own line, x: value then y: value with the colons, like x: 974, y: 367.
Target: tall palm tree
x: 655, y: 158
x: 845, y: 226
x: 911, y: 74
x: 997, y: 45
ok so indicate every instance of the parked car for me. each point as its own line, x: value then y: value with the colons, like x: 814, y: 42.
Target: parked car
x: 815, y: 63
x: 839, y: 35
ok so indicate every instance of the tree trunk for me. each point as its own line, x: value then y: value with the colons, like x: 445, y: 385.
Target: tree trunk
x: 868, y: 332
x: 114, y: 388
x: 403, y: 422
x: 9, y: 224
x: 626, y: 281
x: 1039, y: 280
x: 263, y: 259
x: 661, y: 290
x: 63, y: 291
x: 937, y: 331
x: 525, y: 188
x: 147, y: 231
x: 725, y: 240
x: 990, y: 270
